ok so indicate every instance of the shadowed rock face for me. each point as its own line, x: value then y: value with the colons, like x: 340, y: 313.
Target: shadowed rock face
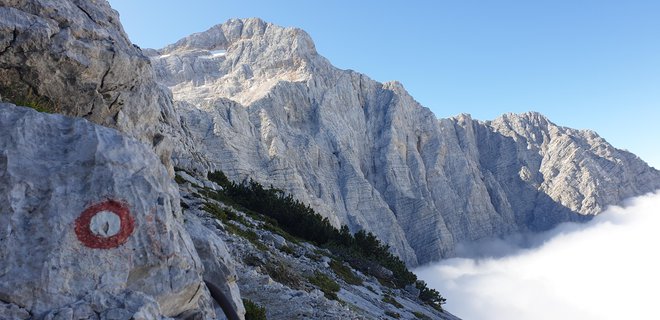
x: 73, y: 57
x: 90, y: 223
x: 264, y: 104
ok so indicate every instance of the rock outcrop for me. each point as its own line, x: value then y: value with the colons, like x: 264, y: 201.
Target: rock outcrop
x: 219, y: 266
x: 264, y: 104
x: 73, y: 57
x: 91, y: 225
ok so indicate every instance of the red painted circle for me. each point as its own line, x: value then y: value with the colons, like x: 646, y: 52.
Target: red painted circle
x: 89, y: 239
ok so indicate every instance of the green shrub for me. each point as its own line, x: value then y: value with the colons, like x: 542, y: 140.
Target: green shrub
x: 286, y: 249
x: 284, y: 274
x: 278, y: 270
x: 272, y: 227
x: 361, y: 250
x: 252, y: 261
x: 325, y: 284
x: 249, y: 235
x: 430, y: 296
x: 314, y: 256
x: 178, y: 179
x: 345, y: 272
x: 389, y: 299
x: 227, y: 215
x: 393, y: 314
x: 216, y: 211
x: 219, y: 177
x: 253, y: 311
x: 26, y: 98
x: 420, y: 315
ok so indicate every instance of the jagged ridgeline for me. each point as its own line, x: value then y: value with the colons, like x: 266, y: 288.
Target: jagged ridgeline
x: 102, y: 220
x: 262, y: 103
x: 363, y: 251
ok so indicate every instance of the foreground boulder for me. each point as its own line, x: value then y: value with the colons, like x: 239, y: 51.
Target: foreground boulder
x: 219, y: 265
x: 90, y: 224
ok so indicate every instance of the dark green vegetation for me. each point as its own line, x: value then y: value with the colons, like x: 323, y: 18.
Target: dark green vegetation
x: 291, y: 218
x: 389, y: 299
x: 345, y: 272
x: 278, y: 270
x: 253, y: 311
x: 227, y: 215
x: 287, y: 250
x: 420, y: 315
x: 284, y: 274
x: 25, y: 98
x: 430, y: 296
x: 393, y: 314
x: 179, y: 179
x: 327, y: 285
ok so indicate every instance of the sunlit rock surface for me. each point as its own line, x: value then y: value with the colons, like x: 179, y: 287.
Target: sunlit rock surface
x: 263, y: 103
x: 91, y: 224
x: 73, y: 57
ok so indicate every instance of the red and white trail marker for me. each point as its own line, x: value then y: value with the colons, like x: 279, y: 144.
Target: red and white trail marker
x: 105, y: 225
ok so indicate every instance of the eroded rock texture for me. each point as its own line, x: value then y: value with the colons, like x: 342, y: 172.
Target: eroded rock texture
x: 91, y: 224
x: 73, y: 57
x: 264, y: 104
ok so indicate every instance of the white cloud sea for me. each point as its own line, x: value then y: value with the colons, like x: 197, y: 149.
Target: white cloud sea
x: 608, y: 268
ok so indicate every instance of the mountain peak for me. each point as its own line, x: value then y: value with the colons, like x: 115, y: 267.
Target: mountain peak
x: 258, y: 53
x: 529, y: 116
x: 366, y: 154
x: 233, y: 31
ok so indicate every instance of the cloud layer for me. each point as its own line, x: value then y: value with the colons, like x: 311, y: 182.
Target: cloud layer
x: 608, y: 268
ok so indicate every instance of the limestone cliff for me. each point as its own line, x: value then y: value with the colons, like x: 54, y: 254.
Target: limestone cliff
x: 264, y: 104
x: 73, y: 57
x: 92, y: 226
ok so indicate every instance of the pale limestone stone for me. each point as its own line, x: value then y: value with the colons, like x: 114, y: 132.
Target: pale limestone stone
x: 54, y: 168
x: 74, y: 58
x: 366, y: 154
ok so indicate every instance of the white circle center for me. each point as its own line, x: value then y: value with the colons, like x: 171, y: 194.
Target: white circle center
x: 105, y: 224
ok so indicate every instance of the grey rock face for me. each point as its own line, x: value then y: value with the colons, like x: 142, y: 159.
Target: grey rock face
x: 90, y: 223
x: 577, y: 169
x: 73, y: 57
x: 12, y: 311
x: 265, y: 104
x: 218, y: 265
x: 75, y: 54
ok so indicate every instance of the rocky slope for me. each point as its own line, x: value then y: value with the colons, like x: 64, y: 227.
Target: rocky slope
x: 275, y: 268
x: 264, y: 104
x: 92, y: 221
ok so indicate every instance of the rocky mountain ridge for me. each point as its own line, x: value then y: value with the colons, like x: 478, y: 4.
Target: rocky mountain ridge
x: 264, y: 104
x: 95, y: 227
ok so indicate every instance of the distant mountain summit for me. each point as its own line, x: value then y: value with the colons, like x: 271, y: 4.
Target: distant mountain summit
x: 110, y: 235
x: 262, y: 103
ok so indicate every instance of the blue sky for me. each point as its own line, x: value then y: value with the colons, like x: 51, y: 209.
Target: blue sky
x: 585, y: 64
